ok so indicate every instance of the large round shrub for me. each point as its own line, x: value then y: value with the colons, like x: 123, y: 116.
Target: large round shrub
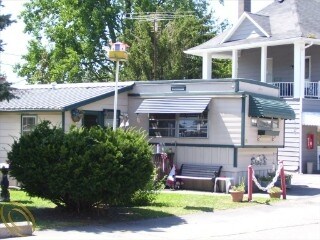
x: 82, y: 168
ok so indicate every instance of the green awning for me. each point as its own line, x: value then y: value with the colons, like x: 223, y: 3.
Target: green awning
x: 270, y: 108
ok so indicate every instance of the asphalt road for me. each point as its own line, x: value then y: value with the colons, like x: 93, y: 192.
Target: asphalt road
x: 296, y: 218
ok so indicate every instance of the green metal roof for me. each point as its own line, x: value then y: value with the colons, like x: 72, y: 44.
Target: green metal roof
x: 269, y: 108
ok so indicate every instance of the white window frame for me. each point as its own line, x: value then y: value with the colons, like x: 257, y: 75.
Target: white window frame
x: 28, y: 130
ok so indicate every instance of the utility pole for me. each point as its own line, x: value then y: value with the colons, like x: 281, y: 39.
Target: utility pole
x: 155, y: 17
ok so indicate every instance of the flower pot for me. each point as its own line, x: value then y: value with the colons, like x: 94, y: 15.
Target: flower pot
x: 236, y: 196
x: 275, y: 195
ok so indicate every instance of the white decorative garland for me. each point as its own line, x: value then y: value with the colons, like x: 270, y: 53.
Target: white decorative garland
x: 271, y: 184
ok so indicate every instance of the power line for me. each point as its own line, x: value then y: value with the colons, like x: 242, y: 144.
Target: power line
x: 7, y: 64
x: 11, y: 54
x: 155, y: 17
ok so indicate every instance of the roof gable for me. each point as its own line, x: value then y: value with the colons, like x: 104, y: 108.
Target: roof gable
x: 285, y: 22
x: 248, y: 26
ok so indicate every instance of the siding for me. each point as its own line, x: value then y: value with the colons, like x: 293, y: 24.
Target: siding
x: 249, y: 64
x: 99, y: 106
x: 244, y: 160
x: 10, y: 128
x: 282, y: 62
x: 248, y: 87
x: 196, y: 87
x: 225, y: 125
x: 290, y: 154
x: 205, y: 155
x: 10, y: 125
x: 246, y: 30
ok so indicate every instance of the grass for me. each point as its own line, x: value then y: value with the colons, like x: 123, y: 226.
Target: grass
x: 47, y: 215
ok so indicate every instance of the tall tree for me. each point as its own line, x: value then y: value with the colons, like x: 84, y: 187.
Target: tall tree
x: 157, y: 52
x: 69, y: 39
x: 5, y: 89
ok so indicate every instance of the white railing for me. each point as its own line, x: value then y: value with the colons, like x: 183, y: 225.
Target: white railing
x: 286, y: 89
x: 311, y: 89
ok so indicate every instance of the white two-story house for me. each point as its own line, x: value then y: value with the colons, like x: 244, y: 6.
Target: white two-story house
x: 278, y: 45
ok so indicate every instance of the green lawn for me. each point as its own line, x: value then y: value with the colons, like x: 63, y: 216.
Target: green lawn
x: 167, y: 204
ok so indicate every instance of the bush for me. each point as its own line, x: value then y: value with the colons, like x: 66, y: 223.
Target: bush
x: 148, y: 194
x: 82, y: 168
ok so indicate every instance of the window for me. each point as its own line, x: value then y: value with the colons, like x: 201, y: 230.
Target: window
x: 178, y: 125
x: 162, y: 125
x: 27, y: 124
x: 108, y: 118
x: 193, y: 125
x: 265, y: 123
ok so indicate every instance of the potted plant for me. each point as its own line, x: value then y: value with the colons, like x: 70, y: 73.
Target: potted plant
x: 237, y: 191
x: 288, y: 178
x: 264, y: 180
x: 275, y: 192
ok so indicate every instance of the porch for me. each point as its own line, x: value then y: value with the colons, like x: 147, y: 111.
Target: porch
x: 286, y: 89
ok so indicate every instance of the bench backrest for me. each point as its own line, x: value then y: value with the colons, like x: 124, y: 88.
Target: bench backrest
x: 194, y: 170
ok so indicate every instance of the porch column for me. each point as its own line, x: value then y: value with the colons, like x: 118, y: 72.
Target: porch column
x: 207, y: 66
x: 235, y: 63
x: 264, y: 54
x: 299, y: 69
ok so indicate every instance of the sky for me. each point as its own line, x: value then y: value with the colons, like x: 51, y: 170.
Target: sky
x: 16, y: 40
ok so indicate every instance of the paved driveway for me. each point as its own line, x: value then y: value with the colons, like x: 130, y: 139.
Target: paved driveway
x: 296, y: 218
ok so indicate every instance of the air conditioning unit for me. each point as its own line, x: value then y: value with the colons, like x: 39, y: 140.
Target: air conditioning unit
x: 268, y: 133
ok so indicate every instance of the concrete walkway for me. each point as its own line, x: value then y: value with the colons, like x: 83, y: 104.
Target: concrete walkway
x: 295, y: 218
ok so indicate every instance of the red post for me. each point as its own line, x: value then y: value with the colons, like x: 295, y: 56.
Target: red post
x: 283, y: 182
x: 249, y: 183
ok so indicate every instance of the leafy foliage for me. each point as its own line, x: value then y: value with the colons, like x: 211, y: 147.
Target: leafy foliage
x: 69, y: 37
x: 157, y: 45
x: 82, y: 168
x: 6, y: 91
x: 5, y: 21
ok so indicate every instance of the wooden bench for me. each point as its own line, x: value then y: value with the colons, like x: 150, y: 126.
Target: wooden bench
x: 198, y: 172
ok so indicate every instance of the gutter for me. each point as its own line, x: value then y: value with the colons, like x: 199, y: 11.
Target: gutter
x: 201, y: 52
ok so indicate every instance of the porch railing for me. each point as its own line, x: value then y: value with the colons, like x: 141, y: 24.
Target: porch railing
x: 286, y: 89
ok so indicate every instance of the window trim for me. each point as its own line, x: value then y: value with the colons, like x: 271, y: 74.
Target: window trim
x: 177, y: 128
x: 27, y: 116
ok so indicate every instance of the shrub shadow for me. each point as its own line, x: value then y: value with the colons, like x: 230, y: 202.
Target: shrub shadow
x: 203, y: 209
